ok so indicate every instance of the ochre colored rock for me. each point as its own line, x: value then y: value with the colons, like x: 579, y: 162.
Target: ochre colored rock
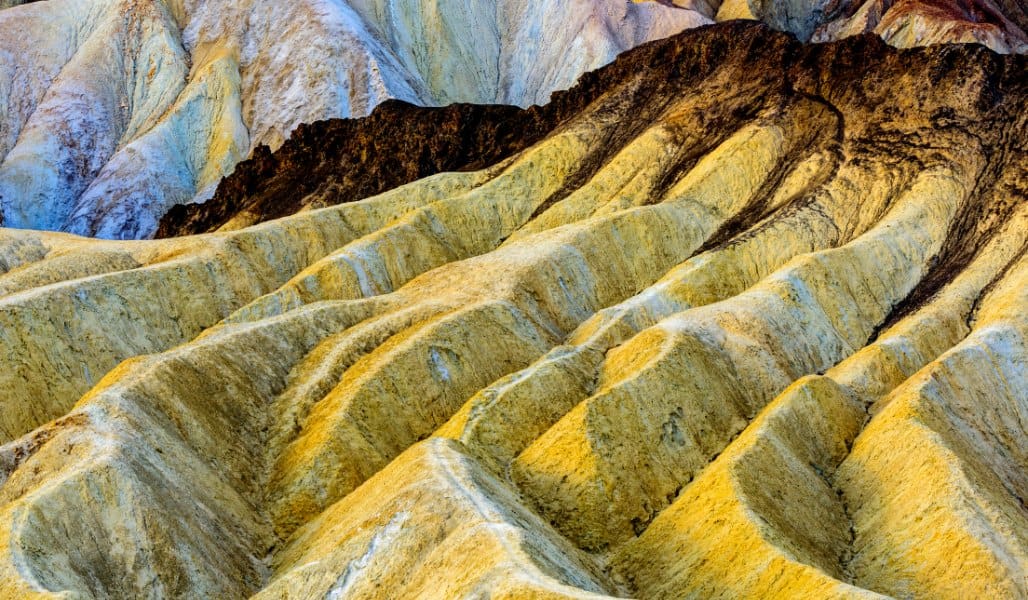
x: 735, y: 318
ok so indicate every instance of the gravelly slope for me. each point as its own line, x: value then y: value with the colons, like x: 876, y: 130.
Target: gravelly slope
x: 750, y: 321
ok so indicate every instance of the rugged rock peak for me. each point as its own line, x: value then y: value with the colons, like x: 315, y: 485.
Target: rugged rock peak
x: 342, y: 160
x: 111, y: 112
x: 741, y: 318
x: 998, y: 24
x: 905, y: 23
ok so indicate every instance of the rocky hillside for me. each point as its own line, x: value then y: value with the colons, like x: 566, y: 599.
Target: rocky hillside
x: 342, y: 160
x: 998, y: 24
x: 112, y: 111
x: 749, y: 320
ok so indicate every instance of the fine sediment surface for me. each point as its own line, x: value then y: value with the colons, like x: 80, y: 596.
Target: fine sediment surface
x: 736, y: 317
x: 112, y: 112
x: 115, y: 113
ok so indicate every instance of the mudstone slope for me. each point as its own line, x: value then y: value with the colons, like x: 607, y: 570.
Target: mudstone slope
x: 747, y: 320
x: 113, y: 112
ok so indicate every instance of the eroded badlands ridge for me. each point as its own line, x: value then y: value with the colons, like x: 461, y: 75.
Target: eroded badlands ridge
x: 751, y: 322
x: 113, y: 111
x: 343, y: 160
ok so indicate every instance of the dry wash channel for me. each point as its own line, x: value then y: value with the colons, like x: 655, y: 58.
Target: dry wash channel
x: 749, y: 322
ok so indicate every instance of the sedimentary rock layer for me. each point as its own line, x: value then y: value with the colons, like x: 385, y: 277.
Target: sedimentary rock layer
x: 747, y: 321
x: 112, y: 112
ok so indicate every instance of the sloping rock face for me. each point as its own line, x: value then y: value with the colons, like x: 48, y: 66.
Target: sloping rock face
x: 1000, y: 25
x: 111, y: 112
x: 748, y: 322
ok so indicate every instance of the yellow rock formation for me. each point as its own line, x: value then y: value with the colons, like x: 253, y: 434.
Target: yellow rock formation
x: 735, y: 346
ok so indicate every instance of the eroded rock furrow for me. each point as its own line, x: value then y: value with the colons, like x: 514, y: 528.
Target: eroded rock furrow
x: 737, y: 318
x: 774, y: 491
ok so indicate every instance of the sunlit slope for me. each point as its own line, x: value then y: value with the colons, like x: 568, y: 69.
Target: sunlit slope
x: 750, y: 323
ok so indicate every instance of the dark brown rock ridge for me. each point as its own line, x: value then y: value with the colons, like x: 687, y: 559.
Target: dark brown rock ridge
x: 344, y: 160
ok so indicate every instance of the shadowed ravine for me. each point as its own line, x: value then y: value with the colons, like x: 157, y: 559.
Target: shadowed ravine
x: 735, y: 317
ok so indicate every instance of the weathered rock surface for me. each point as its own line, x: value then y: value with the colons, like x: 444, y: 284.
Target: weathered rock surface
x: 738, y: 318
x: 1000, y: 25
x: 330, y: 162
x: 112, y: 112
x: 902, y: 23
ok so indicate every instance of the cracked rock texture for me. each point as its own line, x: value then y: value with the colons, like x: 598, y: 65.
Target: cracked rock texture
x: 736, y: 318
